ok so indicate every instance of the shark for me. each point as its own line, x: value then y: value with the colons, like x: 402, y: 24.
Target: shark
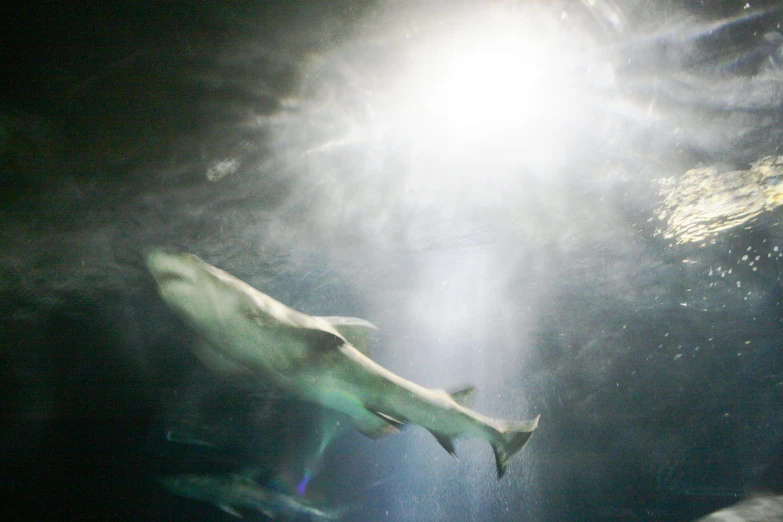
x: 318, y: 359
x: 234, y: 491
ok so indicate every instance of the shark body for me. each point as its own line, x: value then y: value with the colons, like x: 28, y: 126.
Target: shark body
x: 317, y: 359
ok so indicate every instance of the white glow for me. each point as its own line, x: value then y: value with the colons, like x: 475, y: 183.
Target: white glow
x: 451, y: 113
x: 490, y: 76
x: 486, y: 101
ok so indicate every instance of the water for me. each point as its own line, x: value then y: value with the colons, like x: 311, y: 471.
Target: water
x: 586, y: 228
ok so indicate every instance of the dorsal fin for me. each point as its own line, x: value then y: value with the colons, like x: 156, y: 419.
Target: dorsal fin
x: 465, y: 396
x: 356, y: 331
x: 320, y: 339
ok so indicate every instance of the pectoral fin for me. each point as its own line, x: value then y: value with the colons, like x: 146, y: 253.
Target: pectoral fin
x: 397, y: 423
x: 373, y: 425
x: 216, y: 361
x: 375, y: 430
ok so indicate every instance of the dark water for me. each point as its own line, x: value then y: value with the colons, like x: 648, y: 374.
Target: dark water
x: 503, y: 231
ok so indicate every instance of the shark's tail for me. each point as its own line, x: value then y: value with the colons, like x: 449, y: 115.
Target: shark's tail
x: 513, y: 437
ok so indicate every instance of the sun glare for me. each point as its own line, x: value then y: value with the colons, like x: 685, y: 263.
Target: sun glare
x: 461, y: 109
x: 497, y: 94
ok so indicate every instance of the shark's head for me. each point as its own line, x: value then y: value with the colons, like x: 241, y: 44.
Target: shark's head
x: 200, y: 293
x: 245, y: 330
x: 181, y: 278
x: 173, y: 268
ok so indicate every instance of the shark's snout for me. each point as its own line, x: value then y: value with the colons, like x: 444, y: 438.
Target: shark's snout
x: 166, y: 267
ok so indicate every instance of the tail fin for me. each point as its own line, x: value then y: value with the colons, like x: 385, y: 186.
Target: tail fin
x: 514, y: 437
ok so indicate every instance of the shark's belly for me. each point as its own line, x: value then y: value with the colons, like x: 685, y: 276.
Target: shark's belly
x: 338, y: 382
x: 269, y: 354
x: 349, y: 382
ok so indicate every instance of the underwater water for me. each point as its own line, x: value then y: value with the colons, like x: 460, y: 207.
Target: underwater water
x: 571, y: 206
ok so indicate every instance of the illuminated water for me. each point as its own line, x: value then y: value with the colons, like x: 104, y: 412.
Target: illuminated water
x: 573, y: 206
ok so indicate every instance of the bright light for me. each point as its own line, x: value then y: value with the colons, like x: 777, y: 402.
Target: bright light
x: 495, y: 97
x: 491, y: 76
x: 461, y: 111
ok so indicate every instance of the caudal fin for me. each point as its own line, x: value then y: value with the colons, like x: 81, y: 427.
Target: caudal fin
x: 514, y: 437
